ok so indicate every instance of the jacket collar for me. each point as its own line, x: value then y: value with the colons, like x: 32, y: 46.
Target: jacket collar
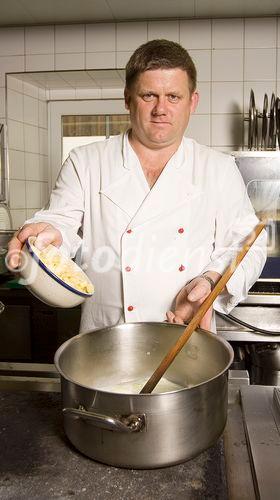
x: 173, y: 187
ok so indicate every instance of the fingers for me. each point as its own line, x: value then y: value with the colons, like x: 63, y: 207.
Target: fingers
x: 174, y: 318
x: 200, y: 291
x: 48, y: 236
x: 178, y: 319
x: 45, y: 233
x: 206, y: 320
x: 13, y: 255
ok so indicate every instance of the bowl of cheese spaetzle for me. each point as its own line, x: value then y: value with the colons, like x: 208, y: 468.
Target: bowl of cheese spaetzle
x: 53, y: 277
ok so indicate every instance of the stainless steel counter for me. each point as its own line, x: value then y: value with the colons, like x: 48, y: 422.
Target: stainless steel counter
x: 266, y: 317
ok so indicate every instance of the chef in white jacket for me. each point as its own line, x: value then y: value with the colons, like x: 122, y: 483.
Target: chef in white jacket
x: 157, y: 217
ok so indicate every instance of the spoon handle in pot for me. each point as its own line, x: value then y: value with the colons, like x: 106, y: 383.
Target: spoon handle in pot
x: 166, y: 362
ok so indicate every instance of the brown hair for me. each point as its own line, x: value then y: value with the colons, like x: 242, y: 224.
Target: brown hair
x: 158, y: 54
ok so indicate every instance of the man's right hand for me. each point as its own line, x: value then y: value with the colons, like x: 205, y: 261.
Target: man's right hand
x: 45, y: 234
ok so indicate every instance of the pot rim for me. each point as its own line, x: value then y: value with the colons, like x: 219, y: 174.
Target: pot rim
x: 121, y: 325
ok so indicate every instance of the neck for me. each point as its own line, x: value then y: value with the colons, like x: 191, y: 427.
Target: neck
x: 152, y: 161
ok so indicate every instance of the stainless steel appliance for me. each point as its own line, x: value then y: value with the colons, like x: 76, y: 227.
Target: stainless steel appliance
x: 256, y: 336
x: 261, y: 173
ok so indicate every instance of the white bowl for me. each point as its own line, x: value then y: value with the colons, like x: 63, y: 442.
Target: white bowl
x: 45, y: 284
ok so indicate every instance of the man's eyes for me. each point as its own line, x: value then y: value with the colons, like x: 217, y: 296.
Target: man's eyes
x: 150, y: 96
x: 173, y: 98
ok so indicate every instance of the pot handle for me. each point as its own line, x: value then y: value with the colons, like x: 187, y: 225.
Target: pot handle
x: 128, y: 423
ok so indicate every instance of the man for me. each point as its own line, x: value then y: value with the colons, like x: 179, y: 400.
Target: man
x: 160, y: 216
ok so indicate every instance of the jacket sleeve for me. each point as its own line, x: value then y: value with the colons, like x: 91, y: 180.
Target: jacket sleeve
x: 235, y: 219
x: 65, y: 209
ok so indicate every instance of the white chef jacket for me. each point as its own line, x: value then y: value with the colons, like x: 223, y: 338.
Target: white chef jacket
x: 140, y: 246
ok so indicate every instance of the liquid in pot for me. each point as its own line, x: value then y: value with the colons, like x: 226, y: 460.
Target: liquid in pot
x: 135, y: 386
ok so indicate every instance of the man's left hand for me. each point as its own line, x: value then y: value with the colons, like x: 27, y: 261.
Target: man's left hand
x: 189, y: 299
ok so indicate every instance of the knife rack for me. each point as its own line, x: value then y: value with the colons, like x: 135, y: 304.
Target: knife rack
x: 264, y: 127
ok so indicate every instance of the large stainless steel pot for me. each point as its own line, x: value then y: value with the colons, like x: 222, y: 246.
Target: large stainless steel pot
x: 143, y: 430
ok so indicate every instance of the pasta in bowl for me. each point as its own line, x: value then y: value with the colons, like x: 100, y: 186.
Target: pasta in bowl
x: 52, y: 277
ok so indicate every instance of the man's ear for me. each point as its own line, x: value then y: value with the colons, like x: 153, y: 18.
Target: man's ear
x: 126, y: 98
x: 194, y: 101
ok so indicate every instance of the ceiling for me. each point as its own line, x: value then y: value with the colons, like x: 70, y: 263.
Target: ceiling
x: 36, y: 12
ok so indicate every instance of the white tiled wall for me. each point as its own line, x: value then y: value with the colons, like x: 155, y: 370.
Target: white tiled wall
x: 232, y: 56
x: 28, y: 150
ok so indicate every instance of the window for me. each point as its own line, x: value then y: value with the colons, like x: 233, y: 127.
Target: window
x: 78, y: 130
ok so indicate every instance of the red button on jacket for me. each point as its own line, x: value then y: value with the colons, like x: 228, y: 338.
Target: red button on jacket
x: 181, y: 230
x: 130, y: 308
x: 182, y: 268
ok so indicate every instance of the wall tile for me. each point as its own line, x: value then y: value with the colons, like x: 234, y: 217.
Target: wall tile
x: 163, y: 29
x: 195, y: 34
x: 11, y: 41
x: 62, y: 94
x: 15, y: 135
x: 43, y: 62
x: 88, y: 93
x: 39, y: 39
x: 14, y: 83
x: 112, y: 93
x: 10, y: 64
x: 32, y: 167
x: 44, y: 193
x: 202, y: 61
x: 100, y: 60
x: 278, y: 65
x: 204, y: 98
x: 2, y: 101
x: 101, y: 37
x: 31, y: 110
x: 31, y: 138
x: 30, y: 212
x: 42, y: 94
x: 260, y: 33
x: 70, y: 38
x: 16, y: 164
x: 122, y: 59
x: 18, y: 218
x: 260, y: 64
x: 199, y: 129
x: 17, y: 194
x: 227, y: 97
x: 131, y: 35
x: 223, y: 149
x: 69, y: 61
x: 33, y: 194
x: 227, y: 65
x: 43, y: 114
x: 15, y: 105
x: 227, y: 33
x: 44, y: 168
x: 31, y: 90
x: 43, y: 141
x: 227, y: 130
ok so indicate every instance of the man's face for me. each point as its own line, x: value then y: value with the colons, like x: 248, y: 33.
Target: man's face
x: 160, y: 104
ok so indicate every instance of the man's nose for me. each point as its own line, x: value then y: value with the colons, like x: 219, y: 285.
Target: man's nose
x: 160, y: 106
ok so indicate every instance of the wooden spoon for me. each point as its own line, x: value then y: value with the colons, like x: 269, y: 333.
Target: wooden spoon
x: 166, y: 362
